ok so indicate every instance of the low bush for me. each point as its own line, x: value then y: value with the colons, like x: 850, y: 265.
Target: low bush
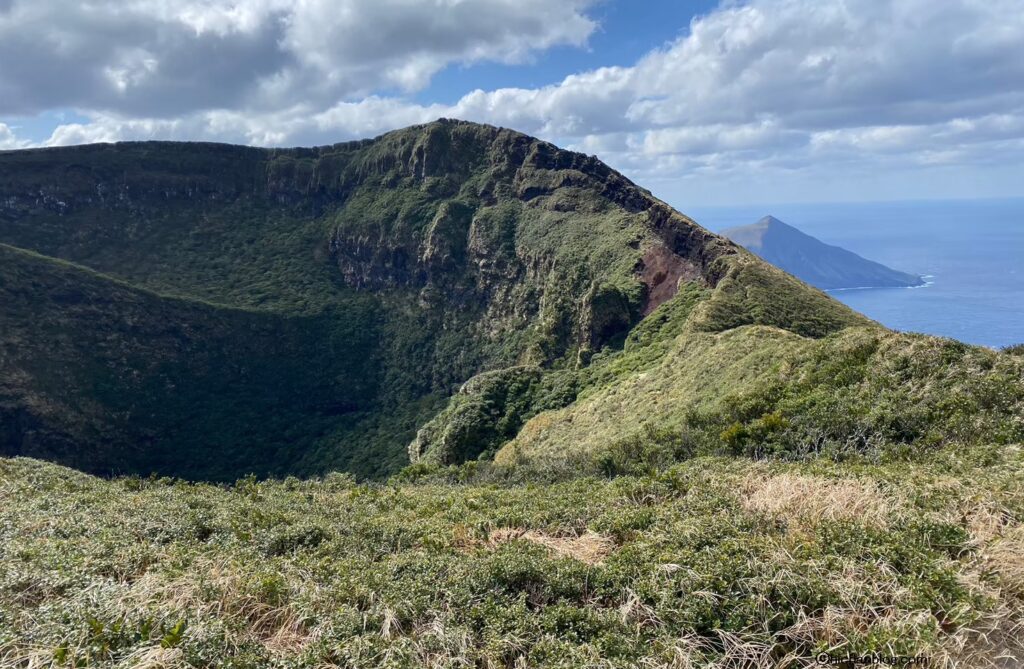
x: 692, y: 560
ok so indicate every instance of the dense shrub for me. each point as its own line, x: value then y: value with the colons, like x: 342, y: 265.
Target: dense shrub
x: 582, y: 572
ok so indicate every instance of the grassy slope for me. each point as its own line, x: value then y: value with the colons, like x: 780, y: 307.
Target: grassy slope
x: 761, y: 391
x: 713, y: 562
x: 195, y: 389
x: 412, y: 262
x: 679, y: 386
x: 328, y: 300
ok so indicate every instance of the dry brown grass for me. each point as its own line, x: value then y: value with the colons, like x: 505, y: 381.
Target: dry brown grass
x: 220, y: 589
x: 439, y: 646
x: 803, y: 500
x: 732, y: 651
x: 986, y: 521
x: 996, y: 572
x: 150, y: 657
x: 1005, y: 556
x: 15, y: 655
x: 634, y: 610
x: 590, y: 547
x: 155, y: 658
x: 996, y: 641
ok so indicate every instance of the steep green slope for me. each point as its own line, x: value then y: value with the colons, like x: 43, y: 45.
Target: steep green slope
x: 396, y: 269
x: 675, y: 390
x: 759, y: 391
x: 110, y: 378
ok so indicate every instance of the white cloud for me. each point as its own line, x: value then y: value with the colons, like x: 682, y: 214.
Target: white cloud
x: 798, y: 65
x: 402, y: 43
x: 709, y: 139
x: 8, y: 140
x: 165, y: 58
x: 298, y: 125
x: 762, y: 89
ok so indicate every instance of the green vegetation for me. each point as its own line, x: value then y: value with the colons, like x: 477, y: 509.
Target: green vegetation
x: 306, y: 310
x: 633, y: 443
x: 753, y: 292
x: 490, y: 408
x: 91, y: 359
x: 763, y: 392
x: 674, y: 390
x: 715, y: 561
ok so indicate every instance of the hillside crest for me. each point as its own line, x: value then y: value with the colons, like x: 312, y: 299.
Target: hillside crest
x: 394, y: 270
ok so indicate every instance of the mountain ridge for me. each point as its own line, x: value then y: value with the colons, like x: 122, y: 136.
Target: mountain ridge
x: 426, y: 255
x: 429, y: 294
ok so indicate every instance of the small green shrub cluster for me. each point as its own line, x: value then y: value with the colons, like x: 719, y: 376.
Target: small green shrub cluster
x: 648, y: 451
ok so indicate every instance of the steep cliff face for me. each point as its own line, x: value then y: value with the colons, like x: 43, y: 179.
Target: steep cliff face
x: 395, y: 268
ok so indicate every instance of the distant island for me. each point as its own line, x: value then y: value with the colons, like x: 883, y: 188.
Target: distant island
x: 819, y: 264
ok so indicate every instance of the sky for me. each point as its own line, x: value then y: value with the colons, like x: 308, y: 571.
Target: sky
x: 703, y: 102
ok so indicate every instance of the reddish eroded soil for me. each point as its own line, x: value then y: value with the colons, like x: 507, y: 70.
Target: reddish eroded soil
x: 661, y: 271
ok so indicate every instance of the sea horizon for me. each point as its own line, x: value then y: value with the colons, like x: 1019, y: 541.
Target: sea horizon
x: 969, y: 250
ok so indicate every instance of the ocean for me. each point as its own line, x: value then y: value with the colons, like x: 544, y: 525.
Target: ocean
x: 971, y: 253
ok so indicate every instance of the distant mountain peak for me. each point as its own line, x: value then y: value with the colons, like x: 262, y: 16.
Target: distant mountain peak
x: 819, y: 264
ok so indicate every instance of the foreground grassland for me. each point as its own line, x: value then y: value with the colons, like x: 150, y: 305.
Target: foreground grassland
x: 715, y: 561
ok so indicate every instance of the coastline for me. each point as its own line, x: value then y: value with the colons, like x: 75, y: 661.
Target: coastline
x: 926, y: 280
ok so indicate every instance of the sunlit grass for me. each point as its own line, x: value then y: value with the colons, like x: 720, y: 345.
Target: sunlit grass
x: 715, y: 561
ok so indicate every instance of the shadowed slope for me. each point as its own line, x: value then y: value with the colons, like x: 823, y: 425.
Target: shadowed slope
x: 110, y: 378
x: 398, y: 267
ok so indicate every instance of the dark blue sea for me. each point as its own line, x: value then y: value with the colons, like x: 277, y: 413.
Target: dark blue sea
x: 971, y: 252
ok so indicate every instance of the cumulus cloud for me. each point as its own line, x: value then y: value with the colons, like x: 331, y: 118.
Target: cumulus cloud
x: 8, y: 140
x: 166, y: 58
x: 300, y: 125
x: 755, y: 87
x: 771, y: 72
